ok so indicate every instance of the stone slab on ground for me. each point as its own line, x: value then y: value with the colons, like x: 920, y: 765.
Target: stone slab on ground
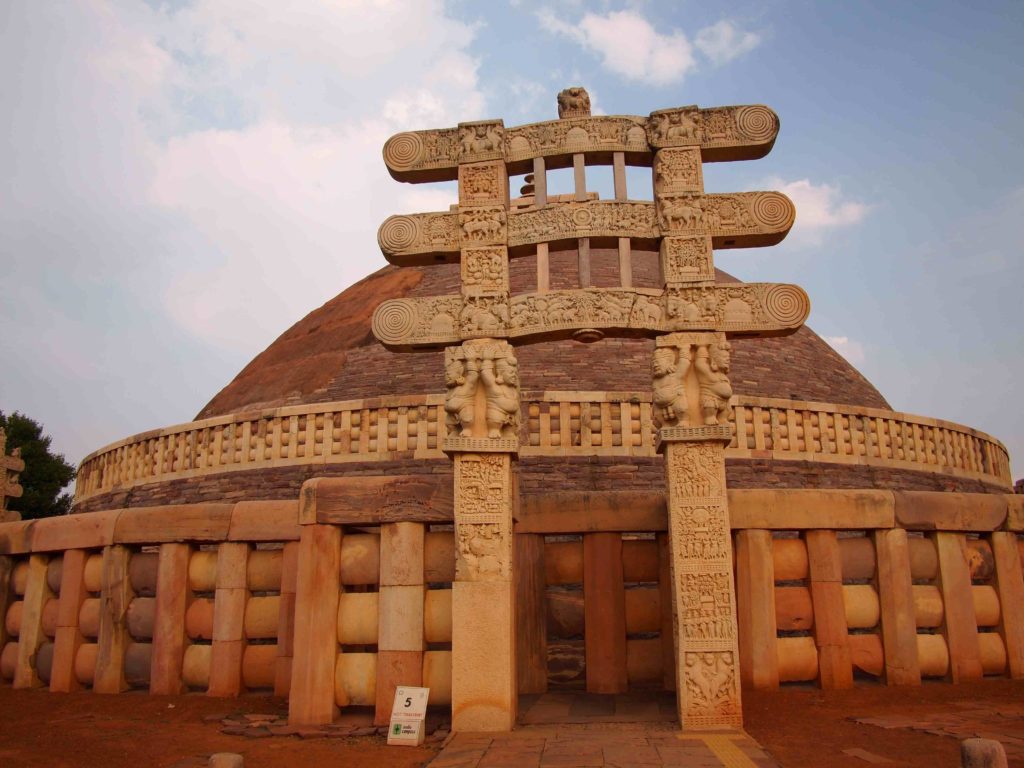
x: 578, y: 707
x: 627, y: 745
x: 967, y: 720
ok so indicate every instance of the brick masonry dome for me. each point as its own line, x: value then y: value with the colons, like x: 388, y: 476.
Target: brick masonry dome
x: 332, y: 355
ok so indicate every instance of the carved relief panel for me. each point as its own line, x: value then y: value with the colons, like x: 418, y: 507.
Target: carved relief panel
x: 686, y: 259
x: 721, y: 133
x: 712, y: 696
x: 702, y: 578
x: 483, y: 516
x: 678, y: 170
x: 763, y: 308
x: 485, y: 271
x: 483, y: 140
x: 483, y: 183
x: 483, y: 226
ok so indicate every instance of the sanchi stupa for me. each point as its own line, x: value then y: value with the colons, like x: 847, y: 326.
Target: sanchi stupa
x: 549, y: 447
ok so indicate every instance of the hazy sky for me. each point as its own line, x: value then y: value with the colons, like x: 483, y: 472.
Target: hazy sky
x: 185, y: 180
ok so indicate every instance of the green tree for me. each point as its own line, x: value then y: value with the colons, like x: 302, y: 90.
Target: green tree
x: 46, y: 474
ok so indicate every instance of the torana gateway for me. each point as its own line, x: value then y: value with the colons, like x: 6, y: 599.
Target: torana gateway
x: 566, y: 453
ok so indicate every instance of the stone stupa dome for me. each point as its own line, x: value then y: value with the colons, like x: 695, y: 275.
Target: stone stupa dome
x: 329, y: 361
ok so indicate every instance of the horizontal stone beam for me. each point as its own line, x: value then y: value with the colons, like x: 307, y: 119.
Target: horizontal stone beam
x: 209, y: 522
x: 722, y: 133
x: 736, y: 220
x: 372, y: 500
x: 762, y: 309
x: 377, y: 499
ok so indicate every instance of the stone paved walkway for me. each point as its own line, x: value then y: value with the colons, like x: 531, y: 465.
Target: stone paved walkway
x: 603, y: 746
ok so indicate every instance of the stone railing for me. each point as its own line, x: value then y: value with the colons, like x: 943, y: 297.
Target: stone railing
x: 556, y: 423
x: 229, y: 598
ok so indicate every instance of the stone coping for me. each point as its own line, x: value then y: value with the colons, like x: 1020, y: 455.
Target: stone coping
x: 556, y: 423
x: 327, y: 501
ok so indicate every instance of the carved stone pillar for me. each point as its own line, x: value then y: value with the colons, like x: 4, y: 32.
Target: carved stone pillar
x: 691, y: 394
x: 483, y: 421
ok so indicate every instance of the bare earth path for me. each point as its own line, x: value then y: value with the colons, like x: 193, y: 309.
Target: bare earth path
x: 919, y: 727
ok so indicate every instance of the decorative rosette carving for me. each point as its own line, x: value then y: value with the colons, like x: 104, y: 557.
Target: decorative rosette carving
x: 403, y: 151
x: 757, y: 123
x: 394, y: 320
x: 398, y: 233
x: 773, y: 210
x: 788, y: 304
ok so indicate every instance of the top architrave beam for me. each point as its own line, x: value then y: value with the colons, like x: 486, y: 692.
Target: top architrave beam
x: 722, y: 133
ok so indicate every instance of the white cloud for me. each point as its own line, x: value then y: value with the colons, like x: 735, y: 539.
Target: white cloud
x: 628, y: 45
x: 819, y: 208
x: 849, y: 348
x: 288, y: 202
x: 185, y: 184
x: 723, y: 42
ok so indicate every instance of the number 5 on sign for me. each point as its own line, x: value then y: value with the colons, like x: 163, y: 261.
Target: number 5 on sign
x: 407, y: 715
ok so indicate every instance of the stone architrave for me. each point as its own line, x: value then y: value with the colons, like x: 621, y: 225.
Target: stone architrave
x: 693, y: 437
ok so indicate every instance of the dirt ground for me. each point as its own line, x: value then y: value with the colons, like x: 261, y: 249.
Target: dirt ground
x: 798, y: 727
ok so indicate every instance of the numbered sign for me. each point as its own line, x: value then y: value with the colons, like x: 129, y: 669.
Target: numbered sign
x: 407, y: 716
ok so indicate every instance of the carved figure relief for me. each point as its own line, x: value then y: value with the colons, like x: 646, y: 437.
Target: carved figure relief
x: 481, y: 139
x: 716, y: 127
x: 711, y: 684
x: 574, y: 133
x: 707, y: 606
x: 676, y: 126
x: 573, y: 102
x: 695, y: 471
x: 589, y: 219
x: 484, y: 316
x: 677, y: 170
x: 501, y: 392
x: 703, y: 533
x: 460, y: 379
x: 484, y: 271
x: 682, y: 212
x: 484, y: 550
x: 483, y: 488
x: 483, y: 225
x: 712, y: 368
x: 749, y: 307
x: 493, y: 369
x: 669, y: 368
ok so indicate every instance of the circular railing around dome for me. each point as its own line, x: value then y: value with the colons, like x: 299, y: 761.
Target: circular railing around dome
x: 555, y: 423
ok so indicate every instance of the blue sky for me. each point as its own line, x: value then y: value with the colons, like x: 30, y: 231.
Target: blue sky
x: 186, y: 180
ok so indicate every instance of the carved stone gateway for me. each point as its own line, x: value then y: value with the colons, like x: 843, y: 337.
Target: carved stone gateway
x: 690, y: 316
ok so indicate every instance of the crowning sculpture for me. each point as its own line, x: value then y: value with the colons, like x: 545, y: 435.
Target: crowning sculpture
x: 690, y: 317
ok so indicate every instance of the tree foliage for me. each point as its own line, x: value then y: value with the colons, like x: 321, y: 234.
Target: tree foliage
x: 46, y: 474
